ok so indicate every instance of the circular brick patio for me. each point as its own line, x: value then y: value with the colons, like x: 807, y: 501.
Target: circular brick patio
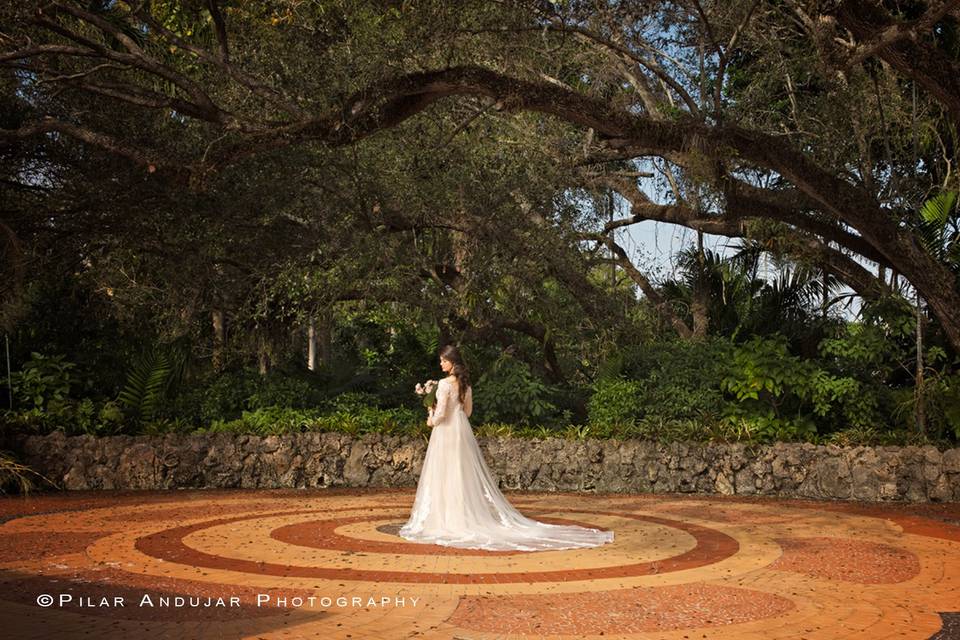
x: 301, y: 564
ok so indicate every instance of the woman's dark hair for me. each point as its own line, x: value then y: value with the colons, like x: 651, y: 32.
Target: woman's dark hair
x: 460, y: 370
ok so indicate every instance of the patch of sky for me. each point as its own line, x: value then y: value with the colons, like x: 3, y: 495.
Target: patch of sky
x: 654, y: 246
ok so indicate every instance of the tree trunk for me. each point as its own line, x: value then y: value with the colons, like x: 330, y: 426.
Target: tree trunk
x: 219, y: 339
x: 918, y: 393
x: 613, y: 237
x: 700, y: 305
x: 461, y: 251
x: 263, y: 354
x: 325, y: 336
x: 312, y: 346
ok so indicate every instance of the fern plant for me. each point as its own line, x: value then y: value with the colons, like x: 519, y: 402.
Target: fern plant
x: 146, y: 385
x: 151, y: 379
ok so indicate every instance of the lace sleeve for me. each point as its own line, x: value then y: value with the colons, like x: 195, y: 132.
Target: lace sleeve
x: 468, y: 401
x: 443, y: 402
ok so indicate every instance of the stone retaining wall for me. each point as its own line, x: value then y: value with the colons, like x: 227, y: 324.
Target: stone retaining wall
x: 915, y: 474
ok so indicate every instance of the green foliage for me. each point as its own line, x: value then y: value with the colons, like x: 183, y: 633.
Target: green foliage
x: 61, y: 313
x: 345, y: 416
x: 276, y: 389
x: 944, y: 405
x: 579, y: 432
x: 228, y: 395
x: 509, y: 392
x: 160, y: 426
x: 538, y: 432
x: 705, y: 428
x: 496, y: 430
x: 352, y: 401
x: 387, y: 349
x: 153, y: 378
x: 253, y: 232
x: 880, y: 353
x: 738, y: 302
x: 861, y: 347
x: 268, y: 421
x: 44, y: 382
x: 940, y: 230
x: 873, y: 437
x: 941, y: 394
x: 107, y: 419
x: 147, y: 384
x: 778, y: 395
x: 220, y: 397
x: 372, y: 420
x: 73, y: 417
x: 681, y: 379
x: 615, y: 402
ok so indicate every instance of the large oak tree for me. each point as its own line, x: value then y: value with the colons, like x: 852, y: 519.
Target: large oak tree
x: 786, y: 111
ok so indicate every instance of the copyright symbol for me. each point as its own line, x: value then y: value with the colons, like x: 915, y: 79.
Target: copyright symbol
x: 44, y: 600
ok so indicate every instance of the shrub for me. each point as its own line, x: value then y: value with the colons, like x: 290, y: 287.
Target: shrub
x: 346, y: 414
x: 226, y: 396
x: 266, y: 421
x: 615, y: 402
x: 680, y: 380
x: 44, y: 382
x: 509, y: 392
x: 276, y: 389
x: 73, y: 417
x: 352, y: 401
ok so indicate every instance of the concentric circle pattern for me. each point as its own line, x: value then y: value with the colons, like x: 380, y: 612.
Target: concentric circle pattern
x: 305, y: 564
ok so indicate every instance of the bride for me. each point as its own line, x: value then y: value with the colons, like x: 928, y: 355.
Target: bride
x: 458, y: 503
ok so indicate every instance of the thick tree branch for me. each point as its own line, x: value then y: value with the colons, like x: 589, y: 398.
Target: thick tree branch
x: 903, y: 45
x: 135, y: 57
x: 733, y: 224
x: 659, y: 302
x: 150, y: 160
x: 896, y: 32
x: 221, y: 28
x: 388, y: 103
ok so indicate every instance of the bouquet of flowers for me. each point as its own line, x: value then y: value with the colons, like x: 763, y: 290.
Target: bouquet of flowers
x: 428, y: 390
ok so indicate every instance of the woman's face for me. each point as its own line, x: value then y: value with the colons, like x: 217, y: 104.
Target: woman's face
x: 445, y: 364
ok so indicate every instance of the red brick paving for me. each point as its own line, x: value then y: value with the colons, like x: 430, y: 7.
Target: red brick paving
x: 847, y: 560
x: 686, y: 606
x: 766, y: 569
x: 712, y: 546
x: 33, y: 545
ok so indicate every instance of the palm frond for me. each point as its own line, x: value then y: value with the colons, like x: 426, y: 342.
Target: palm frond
x: 938, y: 209
x: 937, y: 214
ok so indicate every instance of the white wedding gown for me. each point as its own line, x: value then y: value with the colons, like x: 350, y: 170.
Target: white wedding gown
x: 458, y: 503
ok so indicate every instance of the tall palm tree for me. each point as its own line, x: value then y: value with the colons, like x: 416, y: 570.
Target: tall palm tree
x: 939, y: 232
x: 743, y: 303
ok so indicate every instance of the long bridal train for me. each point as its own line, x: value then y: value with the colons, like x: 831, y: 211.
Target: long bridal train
x: 458, y: 503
